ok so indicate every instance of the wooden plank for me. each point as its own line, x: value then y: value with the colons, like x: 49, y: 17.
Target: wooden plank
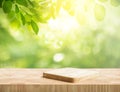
x: 59, y: 88
x: 70, y: 74
x: 31, y: 80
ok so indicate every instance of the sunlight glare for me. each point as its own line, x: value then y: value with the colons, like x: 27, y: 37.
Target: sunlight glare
x: 58, y: 57
x: 64, y: 22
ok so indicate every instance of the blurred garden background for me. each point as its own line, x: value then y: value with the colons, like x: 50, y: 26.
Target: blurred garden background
x: 59, y: 33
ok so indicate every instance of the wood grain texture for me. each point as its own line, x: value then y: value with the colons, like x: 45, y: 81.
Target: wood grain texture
x: 31, y: 80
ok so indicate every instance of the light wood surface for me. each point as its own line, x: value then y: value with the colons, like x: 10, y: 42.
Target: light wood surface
x: 31, y: 80
x: 72, y: 75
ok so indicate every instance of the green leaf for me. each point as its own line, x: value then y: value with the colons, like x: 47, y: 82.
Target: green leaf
x: 31, y: 3
x: 99, y: 12
x: 16, y: 9
x: 23, y: 19
x: 11, y: 15
x: 35, y: 27
x: 1, y: 1
x: 7, y: 6
x: 22, y: 2
x: 115, y: 3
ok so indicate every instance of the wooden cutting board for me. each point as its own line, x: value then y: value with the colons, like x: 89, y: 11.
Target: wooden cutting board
x: 70, y: 74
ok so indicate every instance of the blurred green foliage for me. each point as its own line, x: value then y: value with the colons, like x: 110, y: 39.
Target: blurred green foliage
x: 59, y: 33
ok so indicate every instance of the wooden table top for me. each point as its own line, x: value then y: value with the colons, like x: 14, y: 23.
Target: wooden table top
x: 35, y: 77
